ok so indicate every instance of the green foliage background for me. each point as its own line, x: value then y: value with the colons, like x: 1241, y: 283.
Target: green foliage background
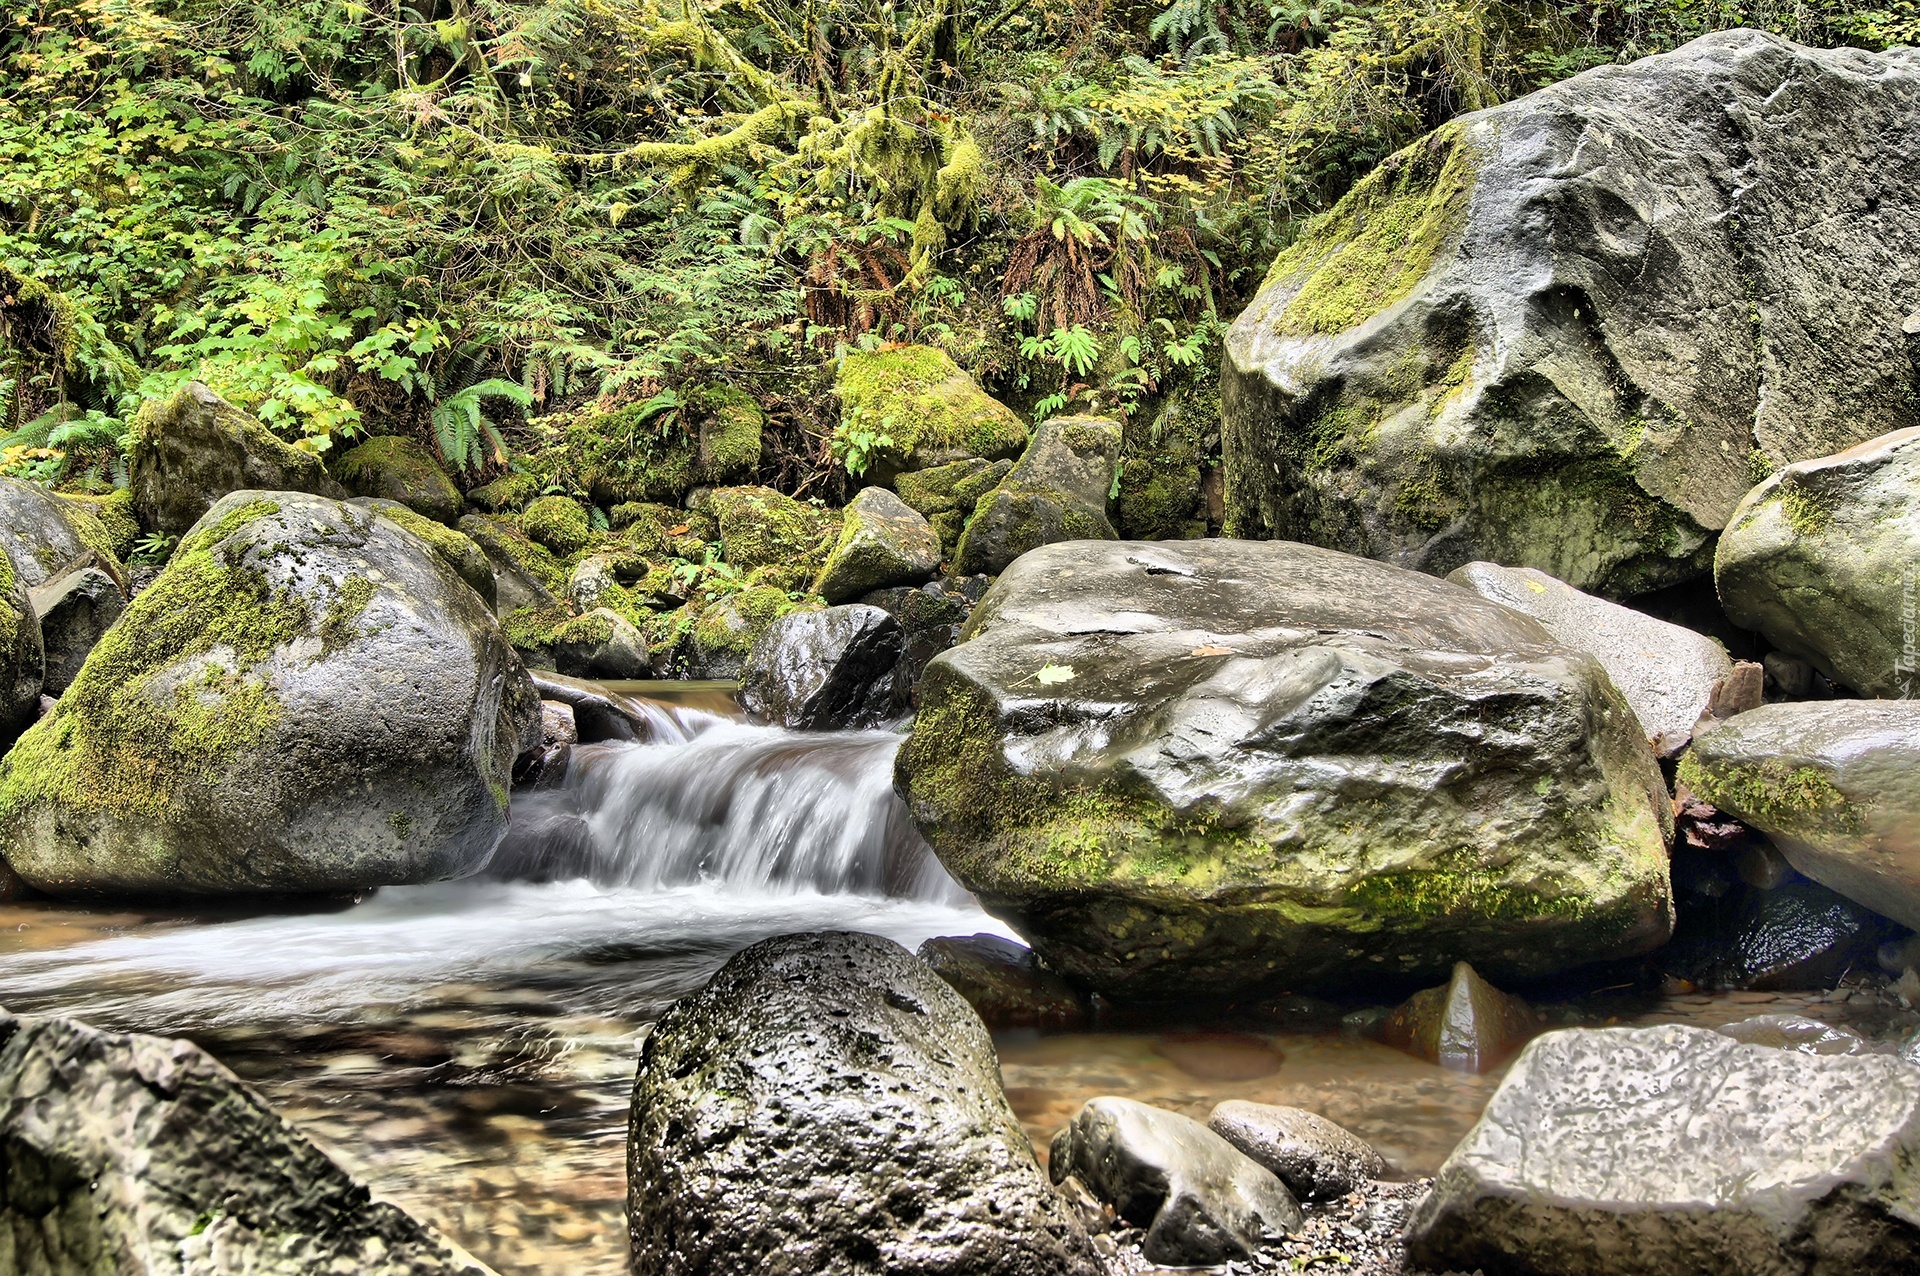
x: 441, y: 217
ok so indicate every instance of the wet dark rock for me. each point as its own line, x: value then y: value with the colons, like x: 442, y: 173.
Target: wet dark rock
x: 1820, y: 560
x: 1652, y: 1151
x: 828, y: 1105
x: 74, y: 611
x: 1799, y: 935
x: 129, y: 1153
x: 931, y: 618
x: 1701, y: 826
x: 1199, y: 1198
x: 1005, y: 983
x: 1467, y: 1024
x: 545, y: 767
x: 189, y: 451
x: 599, y: 715
x: 1761, y: 866
x: 307, y: 700
x: 1564, y: 332
x: 22, y: 659
x: 1317, y: 1159
x: 1057, y: 492
x: 1666, y: 673
x: 1793, y: 676
x: 883, y: 543
x: 1797, y: 1032
x: 826, y: 670
x: 1834, y: 785
x: 1203, y: 768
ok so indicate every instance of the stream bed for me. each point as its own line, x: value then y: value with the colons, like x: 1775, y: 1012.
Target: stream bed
x: 467, y: 1048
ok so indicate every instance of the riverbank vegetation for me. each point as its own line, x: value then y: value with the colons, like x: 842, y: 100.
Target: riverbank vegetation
x: 468, y: 220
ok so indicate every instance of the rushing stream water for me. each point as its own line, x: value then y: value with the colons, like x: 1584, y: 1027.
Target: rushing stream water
x: 468, y: 1047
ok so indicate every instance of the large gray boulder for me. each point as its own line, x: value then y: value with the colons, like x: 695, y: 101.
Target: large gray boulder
x: 1824, y: 559
x: 128, y: 1153
x: 307, y: 699
x: 1193, y: 767
x: 1667, y: 673
x: 1200, y: 1199
x: 1834, y: 784
x: 75, y: 610
x: 827, y: 1105
x: 190, y: 450
x: 1570, y: 331
x: 1651, y: 1151
x: 827, y: 670
x: 1056, y: 492
x: 43, y: 535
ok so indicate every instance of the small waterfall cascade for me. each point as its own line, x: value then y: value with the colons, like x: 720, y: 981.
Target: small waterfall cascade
x: 731, y: 806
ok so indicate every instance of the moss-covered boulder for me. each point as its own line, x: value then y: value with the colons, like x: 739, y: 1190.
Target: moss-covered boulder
x: 190, y: 450
x: 559, y: 523
x: 1823, y: 558
x: 508, y: 493
x: 762, y: 528
x: 600, y: 643
x: 1570, y: 331
x: 114, y: 510
x: 1058, y: 492
x: 882, y: 543
x: 458, y: 551
x: 946, y: 494
x: 399, y: 469
x: 1208, y: 766
x: 308, y: 699
x: 43, y: 535
x: 639, y: 454
x: 932, y: 411
x: 1834, y: 784
x: 728, y: 628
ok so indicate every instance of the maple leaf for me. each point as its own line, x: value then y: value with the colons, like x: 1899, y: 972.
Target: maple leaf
x: 1050, y: 674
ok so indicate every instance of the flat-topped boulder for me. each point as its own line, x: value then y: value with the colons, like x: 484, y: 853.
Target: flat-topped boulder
x: 309, y: 698
x: 1653, y: 1151
x: 1834, y: 784
x: 1211, y: 767
x: 1570, y: 331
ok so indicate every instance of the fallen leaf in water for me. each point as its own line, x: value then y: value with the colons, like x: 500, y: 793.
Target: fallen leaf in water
x: 681, y: 530
x: 1050, y: 674
x: 1214, y: 651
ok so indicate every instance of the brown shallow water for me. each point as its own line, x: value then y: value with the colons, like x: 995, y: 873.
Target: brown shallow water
x: 496, y: 1106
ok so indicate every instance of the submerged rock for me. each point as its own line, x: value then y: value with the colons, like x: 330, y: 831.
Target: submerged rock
x: 1211, y: 767
x: 1565, y: 332
x: 1317, y: 1159
x: 1797, y: 1032
x: 826, y: 670
x: 883, y: 543
x: 307, y: 699
x: 1005, y: 983
x: 827, y: 1105
x: 75, y: 610
x: 1468, y: 1024
x: 399, y: 469
x: 930, y: 411
x: 1057, y: 492
x: 1199, y: 1198
x: 1835, y: 785
x: 1651, y: 1151
x: 1823, y: 558
x: 192, y: 449
x: 1666, y: 673
x: 129, y: 1153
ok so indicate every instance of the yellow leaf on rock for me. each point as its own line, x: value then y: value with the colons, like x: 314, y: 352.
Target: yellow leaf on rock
x: 1211, y: 650
x: 1050, y: 674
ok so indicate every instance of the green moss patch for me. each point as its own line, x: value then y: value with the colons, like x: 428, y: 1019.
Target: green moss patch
x: 918, y: 397
x: 559, y: 523
x: 1775, y: 793
x: 1381, y: 240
